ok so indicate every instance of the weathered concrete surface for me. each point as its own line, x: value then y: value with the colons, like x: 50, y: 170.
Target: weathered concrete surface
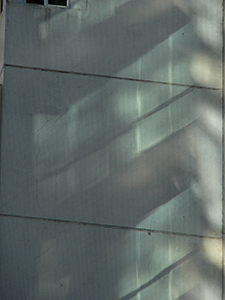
x: 53, y: 260
x: 110, y: 151
x: 112, y: 120
x: 155, y: 40
x: 2, y: 41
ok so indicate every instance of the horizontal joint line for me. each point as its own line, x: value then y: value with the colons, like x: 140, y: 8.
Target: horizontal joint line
x: 111, y: 77
x: 149, y: 231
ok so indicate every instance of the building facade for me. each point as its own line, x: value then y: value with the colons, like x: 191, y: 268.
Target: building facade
x: 111, y: 150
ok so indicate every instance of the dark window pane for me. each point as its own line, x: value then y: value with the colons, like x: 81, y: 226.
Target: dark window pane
x: 36, y: 1
x: 57, y: 2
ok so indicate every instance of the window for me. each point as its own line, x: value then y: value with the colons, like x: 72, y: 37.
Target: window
x: 49, y: 2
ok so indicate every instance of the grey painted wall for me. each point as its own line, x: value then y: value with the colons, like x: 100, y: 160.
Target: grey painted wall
x: 2, y: 41
x: 111, y: 176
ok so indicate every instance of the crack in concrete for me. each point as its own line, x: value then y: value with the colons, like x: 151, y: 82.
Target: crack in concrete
x: 38, y: 133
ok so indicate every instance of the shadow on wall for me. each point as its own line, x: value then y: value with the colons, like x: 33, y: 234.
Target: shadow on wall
x: 116, y: 152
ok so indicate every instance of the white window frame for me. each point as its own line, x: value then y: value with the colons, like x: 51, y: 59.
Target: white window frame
x: 46, y: 3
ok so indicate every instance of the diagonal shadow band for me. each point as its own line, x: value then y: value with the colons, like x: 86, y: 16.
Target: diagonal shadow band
x: 160, y: 275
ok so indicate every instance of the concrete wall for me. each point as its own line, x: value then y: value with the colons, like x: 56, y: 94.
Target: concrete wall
x: 2, y: 41
x: 112, y: 151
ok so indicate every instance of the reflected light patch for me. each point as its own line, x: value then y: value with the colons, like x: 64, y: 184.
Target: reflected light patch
x: 213, y: 121
x: 125, y: 107
x: 213, y: 251
x: 209, y: 31
x: 209, y: 169
x: 206, y: 71
x: 183, y: 6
